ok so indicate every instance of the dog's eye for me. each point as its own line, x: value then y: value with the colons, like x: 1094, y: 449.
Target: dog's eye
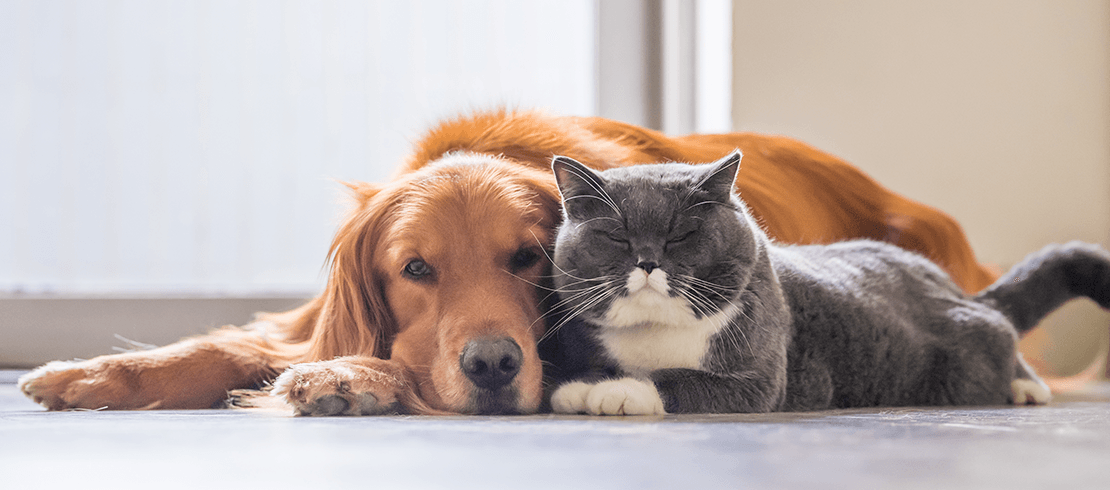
x: 417, y: 269
x: 523, y: 259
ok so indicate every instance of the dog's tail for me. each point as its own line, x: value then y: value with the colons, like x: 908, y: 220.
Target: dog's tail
x: 1049, y: 278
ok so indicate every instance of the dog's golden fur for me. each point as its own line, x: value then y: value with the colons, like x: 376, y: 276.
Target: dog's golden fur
x: 473, y: 201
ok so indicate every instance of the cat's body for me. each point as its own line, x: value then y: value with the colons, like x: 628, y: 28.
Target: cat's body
x: 678, y: 301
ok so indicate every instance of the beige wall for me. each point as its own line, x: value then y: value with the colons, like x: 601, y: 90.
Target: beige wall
x: 995, y: 111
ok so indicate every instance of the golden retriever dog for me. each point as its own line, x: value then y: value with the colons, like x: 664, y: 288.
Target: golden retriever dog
x: 434, y: 301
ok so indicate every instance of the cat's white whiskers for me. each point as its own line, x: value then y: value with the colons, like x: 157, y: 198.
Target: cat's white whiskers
x: 702, y: 306
x: 603, y: 280
x: 598, y: 218
x: 545, y: 288
x: 702, y: 282
x: 692, y: 206
x: 734, y: 337
x: 740, y: 331
x: 695, y: 303
x: 572, y: 286
x: 705, y: 288
x: 580, y: 309
x: 579, y: 293
x: 594, y: 300
x: 551, y: 291
x: 567, y: 299
x: 698, y: 280
x: 699, y: 300
x: 599, y: 198
x: 705, y: 307
x: 592, y: 295
x: 552, y: 260
x: 690, y: 282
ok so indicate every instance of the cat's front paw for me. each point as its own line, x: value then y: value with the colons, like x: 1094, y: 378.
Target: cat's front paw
x: 625, y: 396
x: 1029, y: 392
x: 570, y: 397
x: 338, y: 387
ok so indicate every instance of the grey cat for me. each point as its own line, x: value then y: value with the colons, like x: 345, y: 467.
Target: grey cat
x: 677, y: 302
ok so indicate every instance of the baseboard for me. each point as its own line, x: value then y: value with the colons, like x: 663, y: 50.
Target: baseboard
x: 37, y: 329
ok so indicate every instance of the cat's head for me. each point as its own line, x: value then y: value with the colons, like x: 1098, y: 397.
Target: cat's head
x: 665, y: 243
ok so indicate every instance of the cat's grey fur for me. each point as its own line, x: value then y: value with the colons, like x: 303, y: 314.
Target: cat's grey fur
x: 851, y: 324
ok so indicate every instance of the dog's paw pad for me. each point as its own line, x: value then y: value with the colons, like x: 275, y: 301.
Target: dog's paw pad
x: 330, y: 405
x: 331, y: 388
x: 1029, y: 392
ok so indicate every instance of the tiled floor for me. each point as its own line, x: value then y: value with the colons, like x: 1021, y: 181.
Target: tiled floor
x: 1063, y: 445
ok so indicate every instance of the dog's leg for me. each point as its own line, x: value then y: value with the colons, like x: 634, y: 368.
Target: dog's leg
x: 352, y: 385
x: 195, y: 372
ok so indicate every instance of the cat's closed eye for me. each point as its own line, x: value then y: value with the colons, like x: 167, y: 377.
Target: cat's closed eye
x: 615, y: 238
x: 681, y: 237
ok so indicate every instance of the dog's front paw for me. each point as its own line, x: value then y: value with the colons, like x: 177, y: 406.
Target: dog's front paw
x: 625, y: 396
x: 339, y: 387
x: 61, y: 385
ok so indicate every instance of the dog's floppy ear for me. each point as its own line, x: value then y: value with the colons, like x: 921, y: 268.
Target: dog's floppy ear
x: 546, y: 198
x: 354, y: 319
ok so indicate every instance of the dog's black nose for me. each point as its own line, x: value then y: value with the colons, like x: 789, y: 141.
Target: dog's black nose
x: 491, y: 363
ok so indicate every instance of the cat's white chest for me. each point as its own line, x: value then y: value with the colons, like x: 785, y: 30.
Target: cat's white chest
x: 649, y: 330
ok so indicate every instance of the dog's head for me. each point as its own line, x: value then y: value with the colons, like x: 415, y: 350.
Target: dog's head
x: 440, y: 272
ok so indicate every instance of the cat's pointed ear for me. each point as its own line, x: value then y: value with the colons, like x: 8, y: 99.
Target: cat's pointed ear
x: 576, y: 181
x: 721, y: 176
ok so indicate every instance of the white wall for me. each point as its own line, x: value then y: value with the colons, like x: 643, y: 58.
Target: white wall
x: 167, y: 147
x: 995, y: 111
x: 167, y: 166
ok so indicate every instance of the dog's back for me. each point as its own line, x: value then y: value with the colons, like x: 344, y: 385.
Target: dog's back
x: 799, y: 194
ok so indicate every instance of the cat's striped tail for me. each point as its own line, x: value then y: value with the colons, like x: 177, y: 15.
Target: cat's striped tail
x: 1049, y: 278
